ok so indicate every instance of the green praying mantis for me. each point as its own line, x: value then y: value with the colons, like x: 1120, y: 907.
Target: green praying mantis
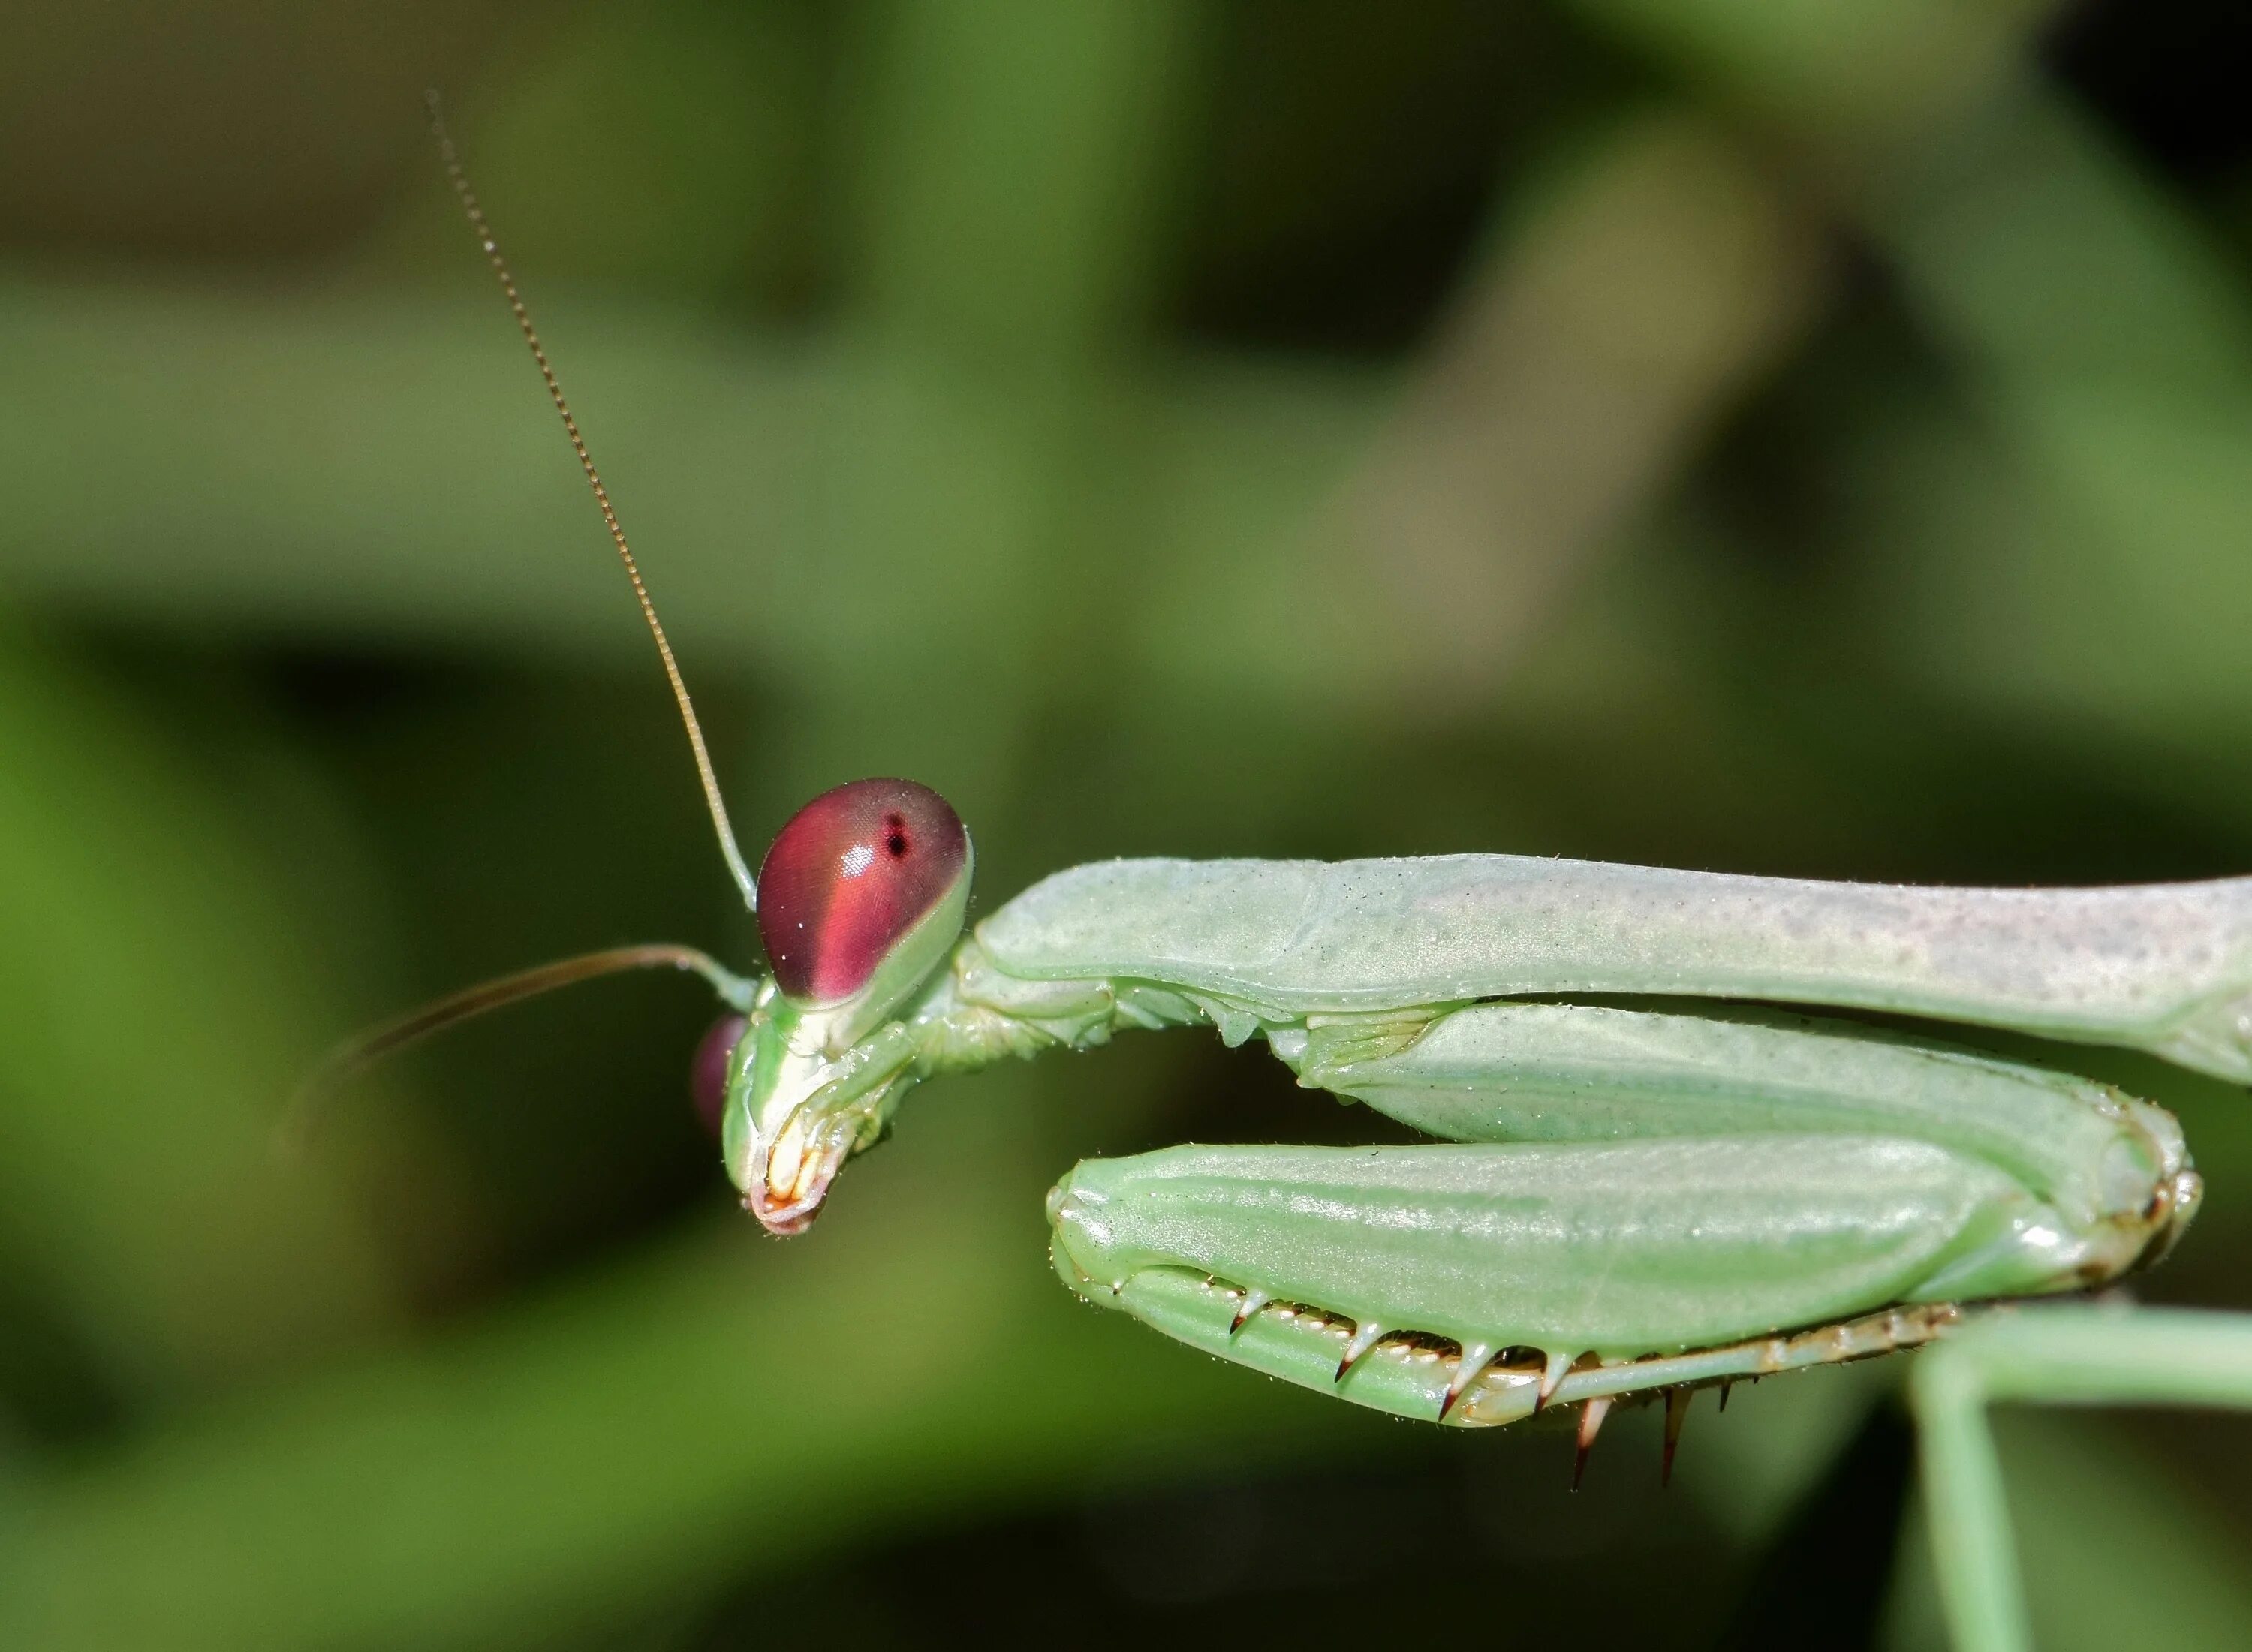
x: 1651, y: 1169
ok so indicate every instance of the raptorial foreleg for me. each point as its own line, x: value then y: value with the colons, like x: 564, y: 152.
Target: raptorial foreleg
x: 1583, y: 1260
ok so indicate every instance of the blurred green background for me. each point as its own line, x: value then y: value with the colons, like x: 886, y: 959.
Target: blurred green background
x: 1797, y: 436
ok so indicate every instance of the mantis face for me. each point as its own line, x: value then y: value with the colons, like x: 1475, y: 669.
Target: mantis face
x: 861, y: 897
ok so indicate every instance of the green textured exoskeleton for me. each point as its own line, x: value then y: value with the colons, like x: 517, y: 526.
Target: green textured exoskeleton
x: 1641, y: 1193
x: 1648, y: 1172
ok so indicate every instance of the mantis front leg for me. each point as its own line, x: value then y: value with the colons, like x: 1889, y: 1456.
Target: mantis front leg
x: 1635, y: 1200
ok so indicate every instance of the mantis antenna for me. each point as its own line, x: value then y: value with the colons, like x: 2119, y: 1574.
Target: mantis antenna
x: 362, y: 1053
x: 712, y: 800
x: 371, y: 1046
x: 379, y: 1042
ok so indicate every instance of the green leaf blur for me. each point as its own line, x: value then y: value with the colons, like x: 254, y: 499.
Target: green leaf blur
x: 1801, y: 437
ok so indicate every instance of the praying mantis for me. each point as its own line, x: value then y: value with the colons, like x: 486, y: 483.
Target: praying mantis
x: 1668, y: 1149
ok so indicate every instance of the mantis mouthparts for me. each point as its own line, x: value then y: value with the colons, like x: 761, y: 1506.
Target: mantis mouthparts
x: 787, y: 1179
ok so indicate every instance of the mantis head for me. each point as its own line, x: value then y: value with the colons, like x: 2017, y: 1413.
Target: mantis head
x: 861, y: 898
x: 859, y: 902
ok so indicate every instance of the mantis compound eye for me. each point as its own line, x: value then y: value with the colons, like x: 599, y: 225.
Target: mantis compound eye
x: 853, y: 874
x: 707, y: 1068
x: 861, y: 898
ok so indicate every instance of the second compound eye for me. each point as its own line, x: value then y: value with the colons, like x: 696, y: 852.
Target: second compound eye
x: 707, y: 1069
x: 849, y: 876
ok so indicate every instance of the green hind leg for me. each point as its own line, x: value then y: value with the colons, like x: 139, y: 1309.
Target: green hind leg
x: 2052, y: 1356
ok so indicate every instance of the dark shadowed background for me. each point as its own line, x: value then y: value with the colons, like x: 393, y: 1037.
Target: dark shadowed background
x: 1795, y: 436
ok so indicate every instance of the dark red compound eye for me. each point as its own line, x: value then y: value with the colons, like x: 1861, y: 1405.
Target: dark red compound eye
x: 707, y: 1068
x: 852, y: 871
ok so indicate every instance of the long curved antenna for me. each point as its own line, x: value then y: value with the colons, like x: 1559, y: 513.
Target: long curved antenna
x: 357, y: 1056
x: 718, y: 805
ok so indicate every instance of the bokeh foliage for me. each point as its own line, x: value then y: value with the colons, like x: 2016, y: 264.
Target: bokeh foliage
x: 1779, y: 435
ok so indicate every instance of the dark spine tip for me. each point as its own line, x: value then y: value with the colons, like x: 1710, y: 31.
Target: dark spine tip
x: 1677, y: 1411
x: 1592, y: 1414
